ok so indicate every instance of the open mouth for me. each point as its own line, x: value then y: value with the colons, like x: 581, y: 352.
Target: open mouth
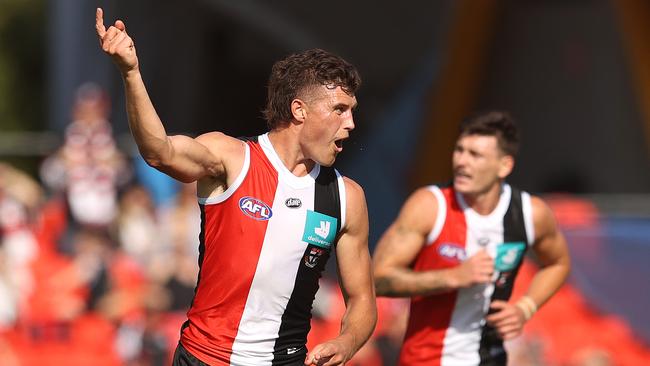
x: 339, y: 144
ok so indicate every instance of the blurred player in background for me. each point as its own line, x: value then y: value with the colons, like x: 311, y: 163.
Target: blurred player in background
x: 456, y: 249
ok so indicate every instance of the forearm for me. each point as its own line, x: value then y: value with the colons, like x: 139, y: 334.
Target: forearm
x: 146, y: 127
x: 547, y: 281
x: 404, y: 282
x: 359, y: 321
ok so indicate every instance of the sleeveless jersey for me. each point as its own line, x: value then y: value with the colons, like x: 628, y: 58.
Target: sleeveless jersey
x: 263, y: 246
x: 449, y: 329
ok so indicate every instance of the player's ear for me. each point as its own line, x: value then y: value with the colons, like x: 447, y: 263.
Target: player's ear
x: 506, y: 164
x: 298, y: 110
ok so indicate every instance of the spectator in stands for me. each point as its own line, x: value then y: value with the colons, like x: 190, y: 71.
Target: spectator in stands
x: 88, y: 168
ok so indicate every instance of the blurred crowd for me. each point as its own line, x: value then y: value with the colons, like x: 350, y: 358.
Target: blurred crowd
x: 92, y: 267
x: 98, y: 264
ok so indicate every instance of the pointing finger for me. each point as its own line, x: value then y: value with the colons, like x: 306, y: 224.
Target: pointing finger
x: 99, y: 22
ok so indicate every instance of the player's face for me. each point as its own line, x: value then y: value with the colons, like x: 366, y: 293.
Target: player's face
x: 328, y: 121
x: 479, y: 165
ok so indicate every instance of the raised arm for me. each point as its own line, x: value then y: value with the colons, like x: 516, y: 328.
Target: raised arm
x: 551, y: 251
x: 355, y: 278
x: 181, y: 157
x: 400, y: 245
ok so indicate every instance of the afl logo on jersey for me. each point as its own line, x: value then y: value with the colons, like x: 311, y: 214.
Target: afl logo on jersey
x: 255, y: 209
x: 452, y: 251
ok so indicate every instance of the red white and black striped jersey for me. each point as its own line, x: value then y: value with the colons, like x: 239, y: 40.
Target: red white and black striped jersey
x: 449, y: 329
x: 264, y: 243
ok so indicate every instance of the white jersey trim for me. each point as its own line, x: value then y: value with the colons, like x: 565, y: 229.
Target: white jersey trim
x: 284, y: 173
x: 342, y: 197
x: 527, y: 209
x: 440, y: 216
x: 233, y: 187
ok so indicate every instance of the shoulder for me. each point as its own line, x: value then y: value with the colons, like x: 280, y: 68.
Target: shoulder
x: 422, y: 201
x: 543, y: 218
x: 354, y: 196
x: 419, y: 212
x: 355, y: 206
x: 230, y: 153
x: 540, y: 209
x: 353, y: 189
x: 219, y: 140
x: 231, y: 150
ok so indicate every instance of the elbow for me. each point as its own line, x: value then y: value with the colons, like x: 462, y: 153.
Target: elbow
x: 155, y: 160
x: 382, y: 284
x: 165, y: 167
x: 373, y: 317
x: 567, y: 270
x: 565, y: 264
x: 157, y: 155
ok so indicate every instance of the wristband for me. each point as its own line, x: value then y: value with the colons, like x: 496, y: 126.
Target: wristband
x: 527, y: 306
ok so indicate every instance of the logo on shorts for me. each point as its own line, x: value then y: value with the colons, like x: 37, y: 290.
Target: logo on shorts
x: 293, y: 202
x: 292, y: 350
x: 452, y: 251
x: 509, y: 255
x: 311, y: 258
x: 255, y: 208
x: 320, y: 229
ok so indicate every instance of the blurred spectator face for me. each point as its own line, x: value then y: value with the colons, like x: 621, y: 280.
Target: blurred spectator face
x: 478, y: 164
x: 91, y: 104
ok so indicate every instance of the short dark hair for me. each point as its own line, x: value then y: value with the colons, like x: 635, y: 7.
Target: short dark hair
x: 494, y: 123
x: 300, y: 71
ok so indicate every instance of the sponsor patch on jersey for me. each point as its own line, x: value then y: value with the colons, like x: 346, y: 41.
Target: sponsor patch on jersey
x: 293, y: 202
x: 311, y: 258
x: 452, y: 251
x: 255, y: 208
x: 509, y: 255
x: 320, y: 229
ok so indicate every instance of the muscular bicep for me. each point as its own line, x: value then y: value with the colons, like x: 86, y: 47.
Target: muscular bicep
x: 208, y: 155
x: 403, y: 240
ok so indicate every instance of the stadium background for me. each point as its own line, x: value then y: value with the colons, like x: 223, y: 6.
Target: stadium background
x: 81, y: 285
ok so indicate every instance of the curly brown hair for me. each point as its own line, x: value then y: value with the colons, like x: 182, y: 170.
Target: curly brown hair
x: 301, y: 71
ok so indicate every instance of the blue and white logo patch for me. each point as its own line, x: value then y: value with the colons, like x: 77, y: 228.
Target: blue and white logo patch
x: 320, y: 229
x: 509, y: 255
x: 255, y: 208
x: 452, y: 251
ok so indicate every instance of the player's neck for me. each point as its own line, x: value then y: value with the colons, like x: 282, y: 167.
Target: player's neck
x: 485, y: 202
x: 285, y: 143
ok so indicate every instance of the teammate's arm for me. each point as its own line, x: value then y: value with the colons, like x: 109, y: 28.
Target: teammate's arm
x: 356, y: 283
x: 400, y: 245
x: 181, y: 157
x: 551, y: 250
